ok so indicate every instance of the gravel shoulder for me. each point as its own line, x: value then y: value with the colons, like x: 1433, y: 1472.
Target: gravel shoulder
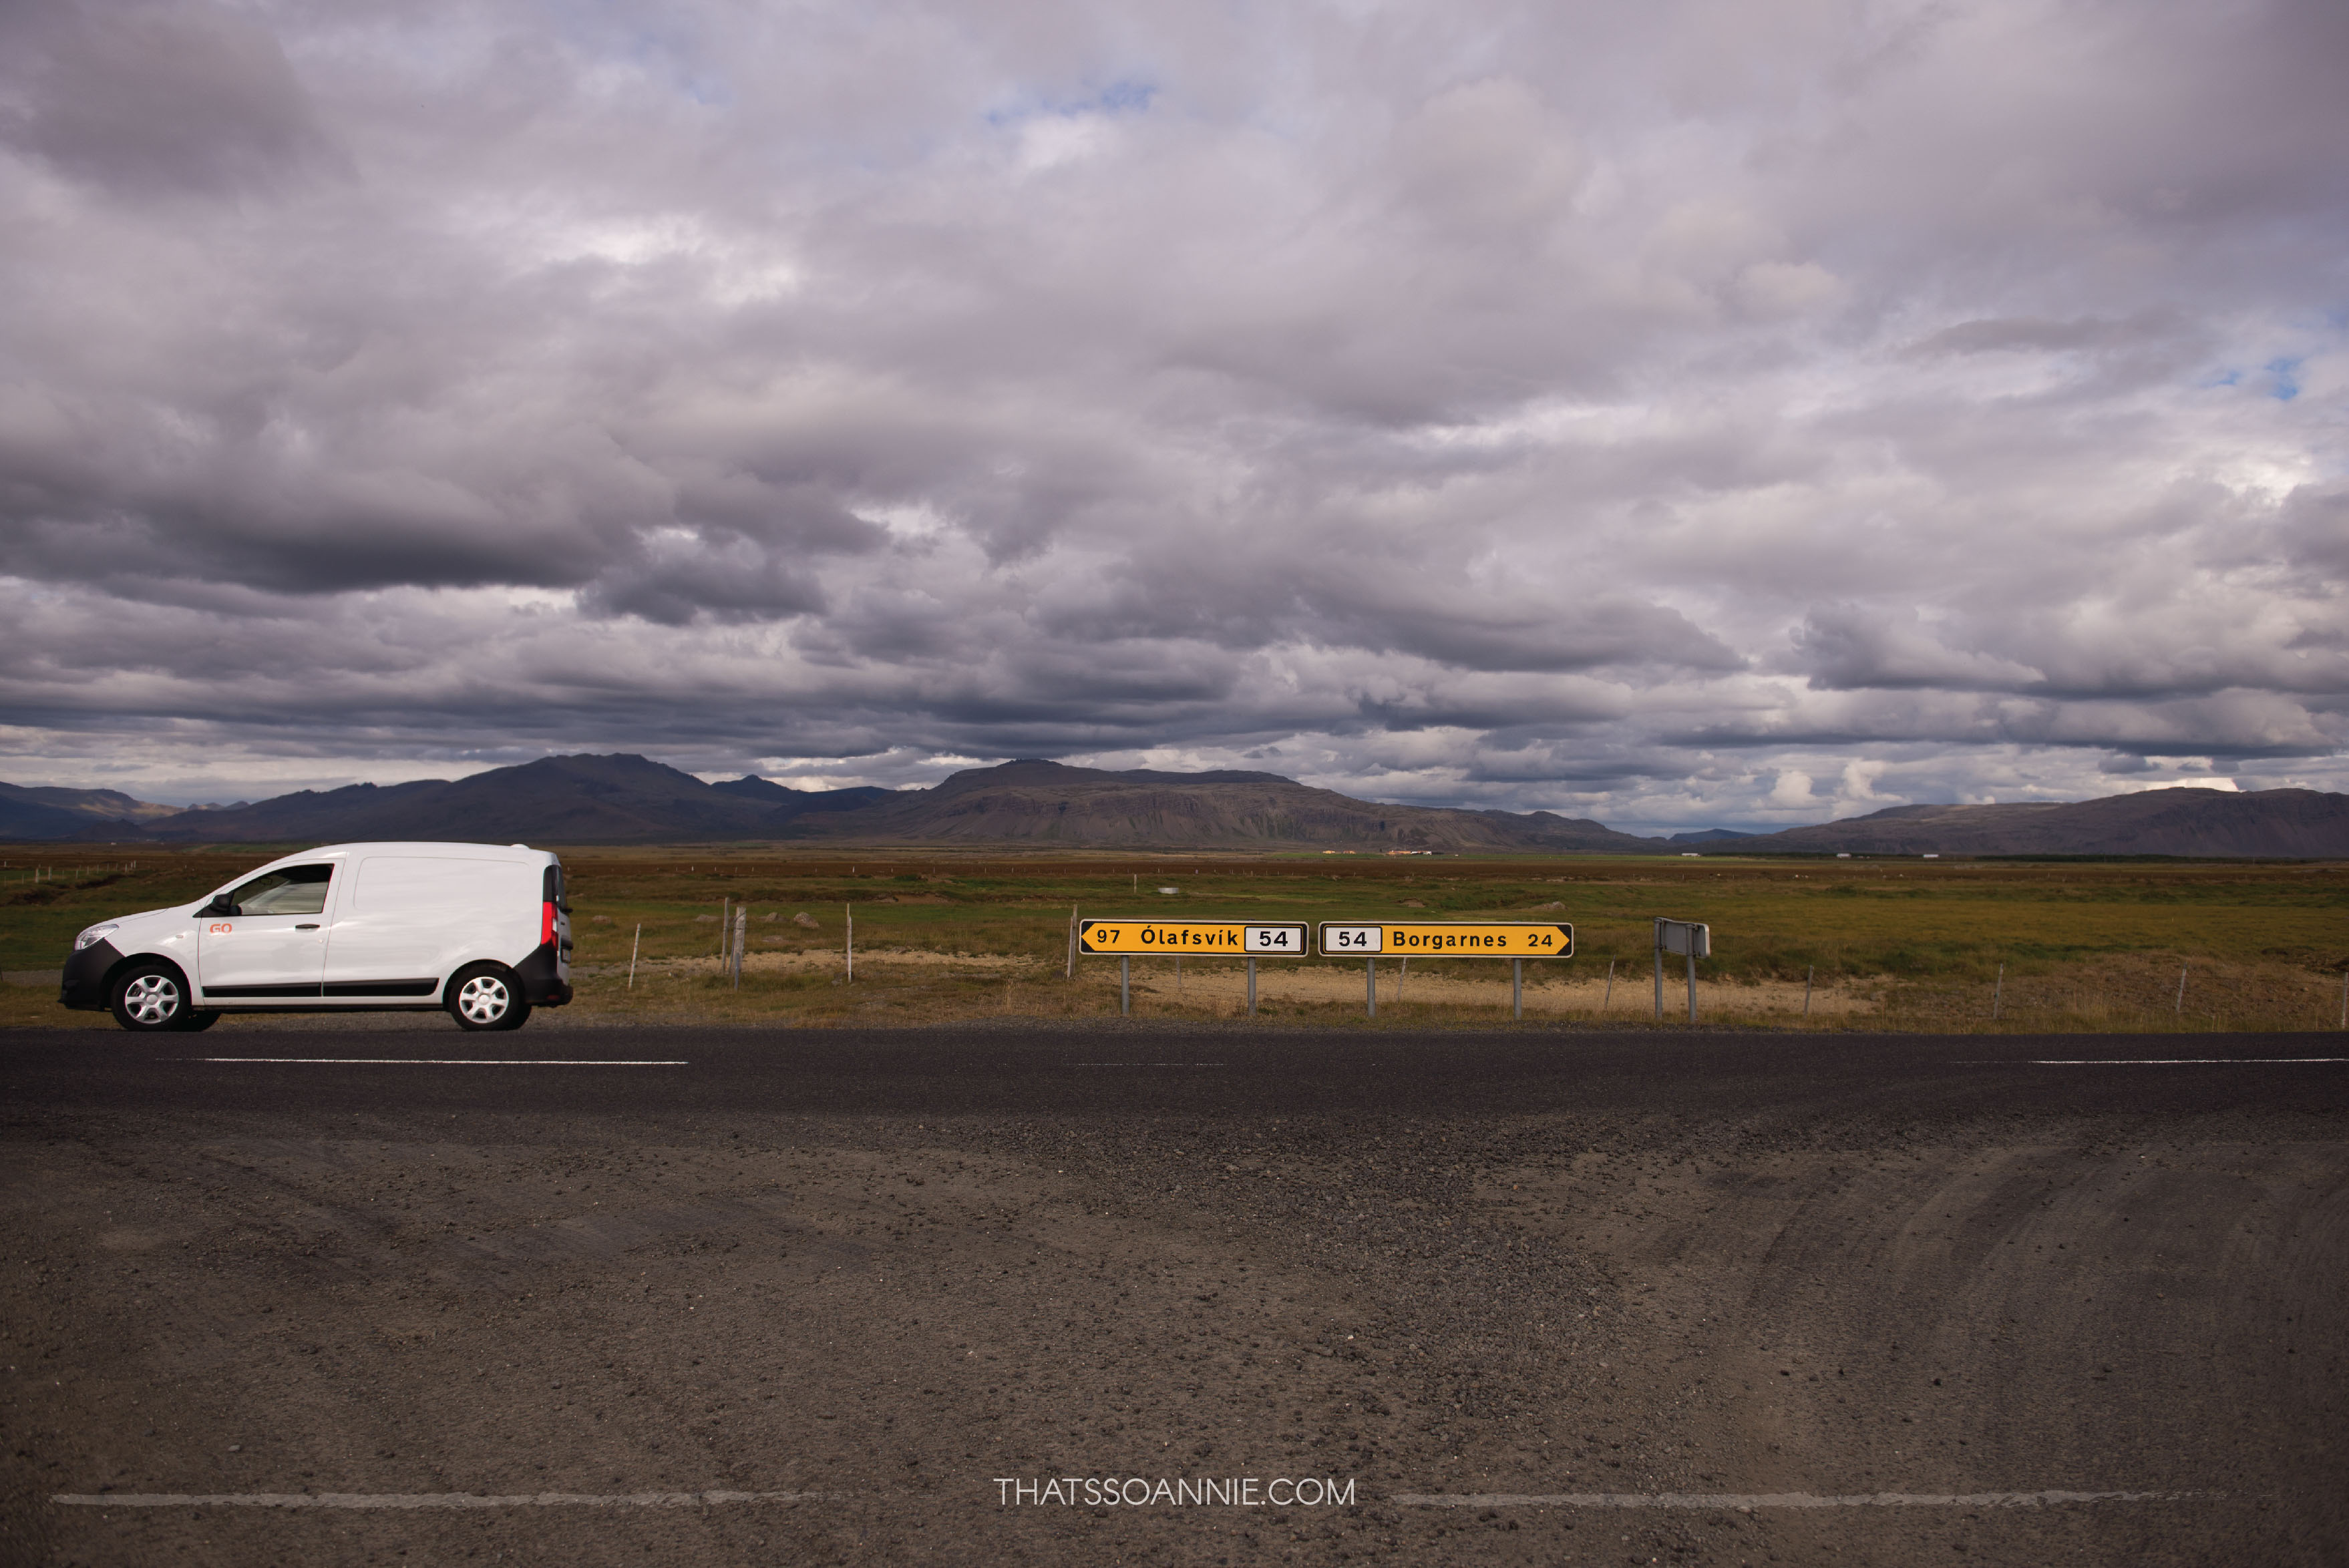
x: 881, y: 1271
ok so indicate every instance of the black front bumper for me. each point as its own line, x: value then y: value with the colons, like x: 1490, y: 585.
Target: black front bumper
x: 542, y: 981
x: 84, y: 987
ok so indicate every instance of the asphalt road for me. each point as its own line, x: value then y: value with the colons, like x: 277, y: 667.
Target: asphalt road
x: 757, y: 1296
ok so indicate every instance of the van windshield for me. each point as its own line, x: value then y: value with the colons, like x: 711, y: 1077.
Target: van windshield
x: 288, y: 889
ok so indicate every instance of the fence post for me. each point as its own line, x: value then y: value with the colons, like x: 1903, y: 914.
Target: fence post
x: 742, y: 936
x: 1124, y: 986
x: 1370, y: 983
x: 849, y: 910
x: 633, y: 949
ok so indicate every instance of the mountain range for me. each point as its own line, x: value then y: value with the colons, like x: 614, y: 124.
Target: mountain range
x: 625, y: 799
x: 2284, y: 823
x: 45, y: 812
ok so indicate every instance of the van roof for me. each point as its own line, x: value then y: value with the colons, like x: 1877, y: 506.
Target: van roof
x: 455, y: 851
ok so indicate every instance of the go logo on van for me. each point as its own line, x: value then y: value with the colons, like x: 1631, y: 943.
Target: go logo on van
x: 219, y: 928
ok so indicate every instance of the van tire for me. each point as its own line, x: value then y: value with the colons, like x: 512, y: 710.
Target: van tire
x: 150, y: 997
x: 486, y: 997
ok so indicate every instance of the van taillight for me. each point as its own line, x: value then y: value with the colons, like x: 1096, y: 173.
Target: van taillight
x: 546, y: 923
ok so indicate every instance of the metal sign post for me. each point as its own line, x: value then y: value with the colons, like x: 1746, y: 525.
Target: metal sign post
x: 1125, y: 940
x: 1689, y: 937
x: 1516, y: 940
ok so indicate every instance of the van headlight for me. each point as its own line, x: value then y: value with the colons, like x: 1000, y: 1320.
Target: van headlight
x: 96, y: 933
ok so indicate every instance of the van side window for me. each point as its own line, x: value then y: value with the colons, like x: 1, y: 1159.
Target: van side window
x: 288, y: 889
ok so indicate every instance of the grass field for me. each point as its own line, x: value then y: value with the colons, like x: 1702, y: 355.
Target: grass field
x: 1904, y: 944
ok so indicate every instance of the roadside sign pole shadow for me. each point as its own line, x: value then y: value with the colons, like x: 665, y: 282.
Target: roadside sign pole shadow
x: 1515, y: 940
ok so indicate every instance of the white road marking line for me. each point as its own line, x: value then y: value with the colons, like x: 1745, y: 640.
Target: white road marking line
x: 426, y: 1062
x: 2178, y: 1061
x: 1150, y: 1064
x: 1695, y: 1500
x: 427, y: 1499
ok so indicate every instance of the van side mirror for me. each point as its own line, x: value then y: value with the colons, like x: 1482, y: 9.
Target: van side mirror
x: 219, y: 905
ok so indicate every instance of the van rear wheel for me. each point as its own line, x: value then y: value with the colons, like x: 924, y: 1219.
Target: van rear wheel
x: 486, y: 997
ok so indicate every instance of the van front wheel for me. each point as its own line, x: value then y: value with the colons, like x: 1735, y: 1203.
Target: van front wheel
x: 151, y: 997
x: 486, y: 997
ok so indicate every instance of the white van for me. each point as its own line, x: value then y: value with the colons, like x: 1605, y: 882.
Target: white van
x: 482, y: 931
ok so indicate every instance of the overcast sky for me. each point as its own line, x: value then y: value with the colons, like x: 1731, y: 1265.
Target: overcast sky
x: 1741, y: 413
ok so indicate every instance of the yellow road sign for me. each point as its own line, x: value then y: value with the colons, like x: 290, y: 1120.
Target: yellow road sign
x: 1446, y: 939
x: 1192, y: 938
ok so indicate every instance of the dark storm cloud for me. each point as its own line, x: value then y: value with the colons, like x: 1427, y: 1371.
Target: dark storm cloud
x: 1702, y: 411
x: 157, y: 101
x: 1847, y: 647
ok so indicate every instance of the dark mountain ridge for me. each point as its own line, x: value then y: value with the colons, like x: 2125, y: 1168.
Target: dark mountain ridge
x: 626, y: 799
x: 750, y: 787
x: 2279, y: 823
x: 1034, y: 801
x: 48, y: 811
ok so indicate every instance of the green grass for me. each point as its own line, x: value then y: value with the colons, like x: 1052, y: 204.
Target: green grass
x: 1942, y: 928
x: 1770, y: 921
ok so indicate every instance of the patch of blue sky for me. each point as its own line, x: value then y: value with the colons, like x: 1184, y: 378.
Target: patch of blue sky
x: 1127, y: 95
x: 2279, y: 378
x: 664, y: 49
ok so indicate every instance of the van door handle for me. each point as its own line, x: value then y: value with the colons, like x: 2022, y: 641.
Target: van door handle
x: 305, y: 928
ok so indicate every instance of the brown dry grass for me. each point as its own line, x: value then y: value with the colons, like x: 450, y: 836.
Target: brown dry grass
x: 2132, y: 993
